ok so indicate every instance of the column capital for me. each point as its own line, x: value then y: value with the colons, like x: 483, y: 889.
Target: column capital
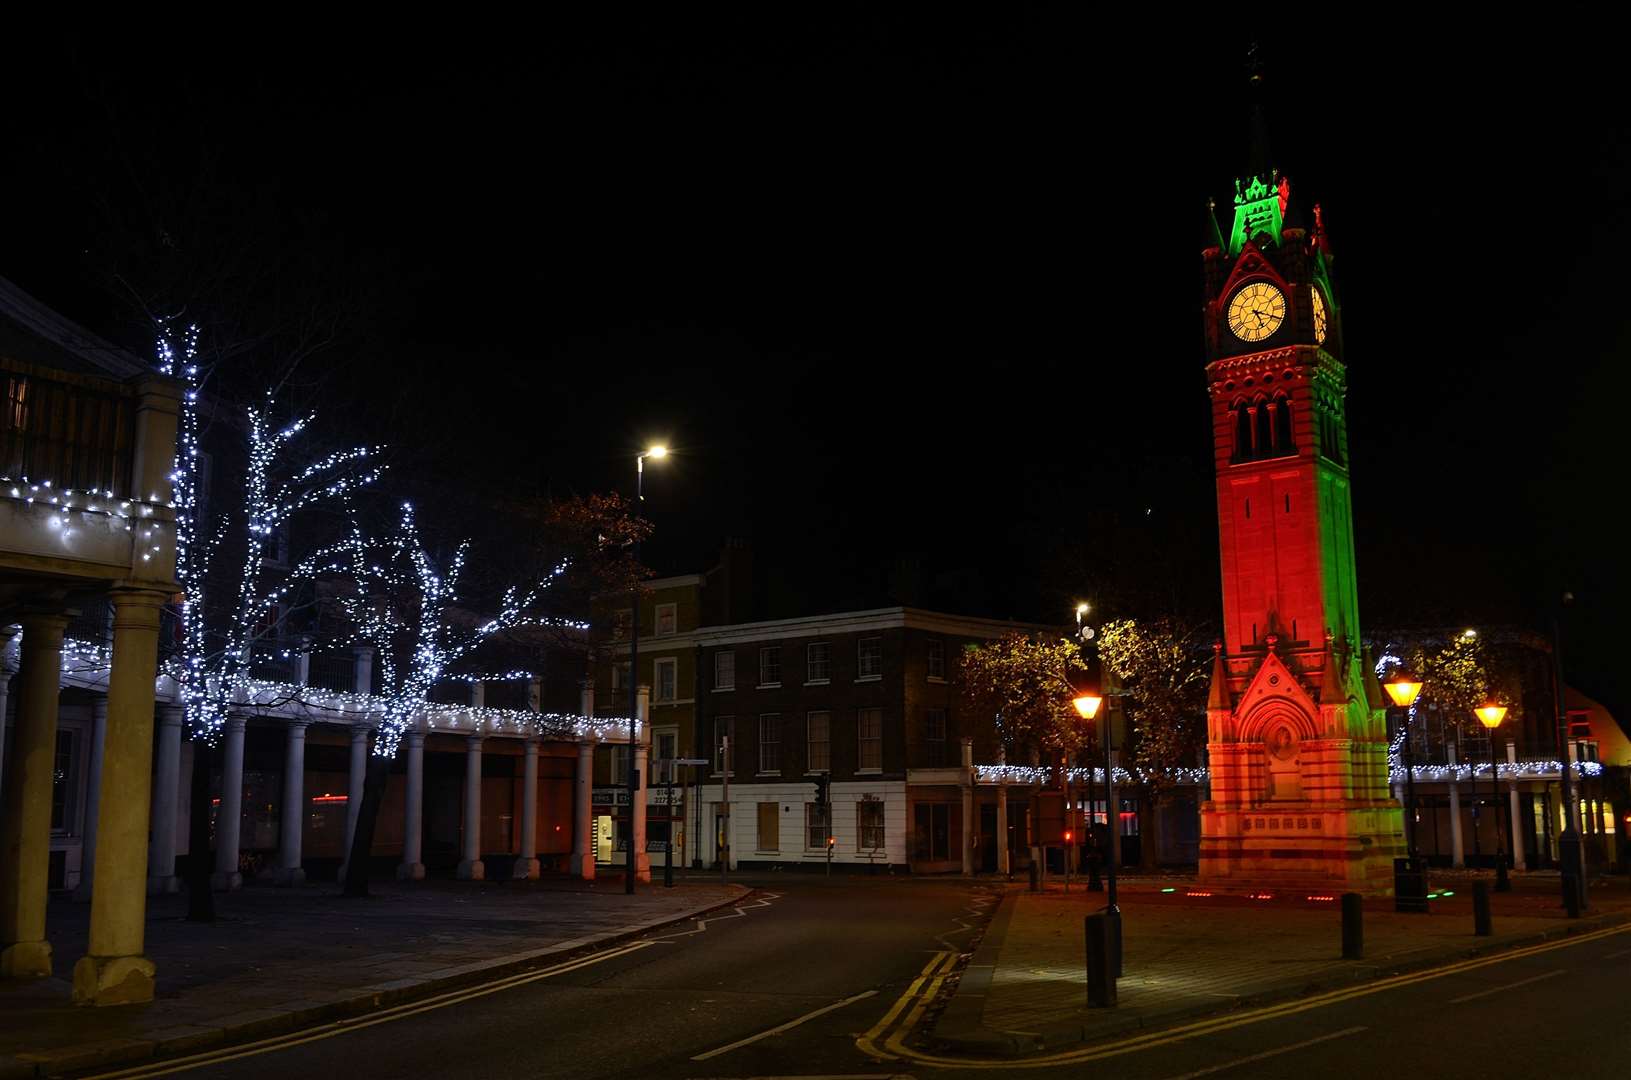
x: 413, y: 738
x: 297, y: 723
x: 473, y: 742
x: 360, y: 732
x: 233, y: 722
x: 172, y: 715
x: 139, y: 593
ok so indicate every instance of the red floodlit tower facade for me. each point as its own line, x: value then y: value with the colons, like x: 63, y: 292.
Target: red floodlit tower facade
x: 1296, y: 728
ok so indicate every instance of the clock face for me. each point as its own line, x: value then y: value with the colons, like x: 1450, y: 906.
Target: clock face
x: 1256, y: 311
x: 1319, y: 315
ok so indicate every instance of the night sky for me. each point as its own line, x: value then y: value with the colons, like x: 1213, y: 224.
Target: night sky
x: 915, y: 301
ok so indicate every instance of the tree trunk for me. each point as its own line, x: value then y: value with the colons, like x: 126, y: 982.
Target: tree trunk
x: 1149, y: 840
x: 200, y: 898
x: 362, y: 842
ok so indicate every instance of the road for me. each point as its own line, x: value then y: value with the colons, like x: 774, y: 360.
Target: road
x: 787, y: 987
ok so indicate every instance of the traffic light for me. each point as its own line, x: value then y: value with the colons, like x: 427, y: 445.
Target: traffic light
x: 1069, y: 836
x: 821, y: 794
x: 831, y: 840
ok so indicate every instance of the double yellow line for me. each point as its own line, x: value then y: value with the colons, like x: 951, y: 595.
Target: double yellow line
x: 923, y: 989
x: 918, y: 995
x: 384, y: 1016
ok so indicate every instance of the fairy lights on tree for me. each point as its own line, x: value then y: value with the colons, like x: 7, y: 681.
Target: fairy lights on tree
x: 217, y: 654
x: 402, y: 602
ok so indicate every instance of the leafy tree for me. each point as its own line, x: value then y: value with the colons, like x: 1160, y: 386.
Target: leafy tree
x: 1028, y: 685
x: 1163, y: 666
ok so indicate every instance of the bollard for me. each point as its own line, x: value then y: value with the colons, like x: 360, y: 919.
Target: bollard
x: 1480, y: 908
x: 1502, y: 882
x: 1101, y: 983
x: 1353, y: 926
x: 1112, y: 917
x: 1036, y: 884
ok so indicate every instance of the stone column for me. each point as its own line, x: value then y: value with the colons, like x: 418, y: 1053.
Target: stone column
x: 363, y: 671
x: 93, y: 799
x: 471, y: 867
x: 114, y: 971
x: 641, y: 862
x: 6, y: 670
x: 1003, y: 855
x: 968, y: 806
x: 526, y: 863
x: 293, y: 818
x: 1515, y: 837
x: 356, y: 777
x: 25, y: 824
x: 229, y: 818
x: 1457, y: 850
x: 161, y: 865
x: 412, y: 867
x: 583, y: 857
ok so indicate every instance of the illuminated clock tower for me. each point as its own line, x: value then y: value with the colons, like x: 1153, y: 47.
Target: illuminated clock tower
x: 1296, y: 733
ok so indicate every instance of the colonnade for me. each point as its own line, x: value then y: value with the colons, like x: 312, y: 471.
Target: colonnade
x: 130, y: 842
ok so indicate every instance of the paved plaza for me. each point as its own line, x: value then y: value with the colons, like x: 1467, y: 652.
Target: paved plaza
x: 1191, y: 951
x: 279, y: 957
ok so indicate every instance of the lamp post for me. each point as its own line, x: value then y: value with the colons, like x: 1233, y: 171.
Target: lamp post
x: 656, y: 453
x: 1569, y: 853
x: 1087, y: 706
x: 1403, y: 688
x: 1490, y: 714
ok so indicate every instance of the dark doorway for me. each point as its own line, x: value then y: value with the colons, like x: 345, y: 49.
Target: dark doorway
x: 988, y: 840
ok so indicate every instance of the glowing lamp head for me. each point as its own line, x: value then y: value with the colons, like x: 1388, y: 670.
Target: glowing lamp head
x: 656, y: 451
x: 1081, y: 610
x: 1088, y: 705
x: 1403, y: 688
x: 1490, y: 714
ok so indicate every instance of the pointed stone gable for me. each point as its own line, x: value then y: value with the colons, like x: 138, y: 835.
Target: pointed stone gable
x: 1273, y: 684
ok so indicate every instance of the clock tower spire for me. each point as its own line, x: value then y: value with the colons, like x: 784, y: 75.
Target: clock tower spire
x: 1297, y: 745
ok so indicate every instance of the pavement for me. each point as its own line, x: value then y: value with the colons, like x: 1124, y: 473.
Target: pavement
x: 277, y: 959
x: 1191, y: 952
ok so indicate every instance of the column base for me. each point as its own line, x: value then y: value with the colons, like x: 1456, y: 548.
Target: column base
x: 642, y: 867
x: 527, y: 870
x: 581, y: 866
x: 168, y: 883
x: 410, y: 871
x: 471, y: 870
x: 25, y: 960
x: 113, y: 980
x: 82, y: 891
x: 226, y: 882
x: 289, y: 875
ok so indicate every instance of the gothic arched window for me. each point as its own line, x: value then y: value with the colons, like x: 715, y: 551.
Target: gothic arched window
x: 1263, y: 428
x: 1243, y: 432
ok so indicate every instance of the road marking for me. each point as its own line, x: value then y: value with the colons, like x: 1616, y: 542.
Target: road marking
x: 779, y: 1028
x: 1210, y: 1069
x: 342, y: 1027
x: 1133, y: 1044
x: 867, y: 1042
x: 1617, y: 955
x: 1508, y: 986
x: 755, y: 899
x: 819, y: 1076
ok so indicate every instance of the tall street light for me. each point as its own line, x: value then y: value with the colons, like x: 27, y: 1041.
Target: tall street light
x: 1403, y: 689
x: 656, y: 453
x: 1087, y: 706
x: 1490, y: 714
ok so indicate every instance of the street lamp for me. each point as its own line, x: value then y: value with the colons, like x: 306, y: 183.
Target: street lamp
x: 1490, y: 714
x: 1087, y: 706
x: 657, y: 453
x: 1403, y: 688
